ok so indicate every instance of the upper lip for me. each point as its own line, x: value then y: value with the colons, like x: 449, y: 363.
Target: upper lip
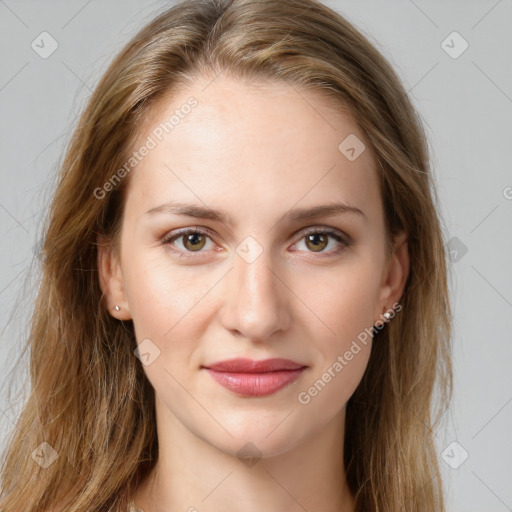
x: 241, y: 365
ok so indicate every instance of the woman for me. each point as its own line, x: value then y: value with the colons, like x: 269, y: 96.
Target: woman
x: 244, y: 294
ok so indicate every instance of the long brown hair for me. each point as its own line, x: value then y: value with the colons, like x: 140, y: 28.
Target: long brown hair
x: 89, y: 398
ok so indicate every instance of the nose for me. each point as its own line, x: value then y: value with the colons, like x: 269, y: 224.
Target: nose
x: 257, y: 300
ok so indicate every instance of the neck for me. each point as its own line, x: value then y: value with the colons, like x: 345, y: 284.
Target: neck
x: 193, y: 475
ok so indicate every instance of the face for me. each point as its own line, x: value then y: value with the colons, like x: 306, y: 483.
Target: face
x: 264, y: 280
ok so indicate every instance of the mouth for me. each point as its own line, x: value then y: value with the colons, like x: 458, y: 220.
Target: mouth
x: 247, y: 377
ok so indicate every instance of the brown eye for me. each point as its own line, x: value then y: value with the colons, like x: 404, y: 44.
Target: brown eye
x: 189, y: 241
x: 194, y: 241
x: 317, y: 241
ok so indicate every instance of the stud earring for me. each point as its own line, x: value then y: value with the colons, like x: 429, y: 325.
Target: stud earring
x: 117, y: 308
x: 387, y: 316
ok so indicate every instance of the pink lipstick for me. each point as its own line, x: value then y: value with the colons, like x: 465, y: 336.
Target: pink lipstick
x: 247, y: 377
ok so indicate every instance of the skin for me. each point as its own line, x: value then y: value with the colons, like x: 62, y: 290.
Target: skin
x: 255, y: 151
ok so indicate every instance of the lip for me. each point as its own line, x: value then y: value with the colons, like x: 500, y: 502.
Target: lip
x: 248, y: 377
x: 242, y: 365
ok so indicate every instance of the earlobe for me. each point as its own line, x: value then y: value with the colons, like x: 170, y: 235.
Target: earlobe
x: 111, y: 280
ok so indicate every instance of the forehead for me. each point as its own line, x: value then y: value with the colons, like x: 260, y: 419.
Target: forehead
x: 269, y: 143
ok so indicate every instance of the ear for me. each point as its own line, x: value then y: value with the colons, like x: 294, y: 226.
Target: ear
x: 111, y: 279
x: 394, y: 277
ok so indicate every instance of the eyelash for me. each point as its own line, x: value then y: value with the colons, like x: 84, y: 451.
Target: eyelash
x: 345, y: 241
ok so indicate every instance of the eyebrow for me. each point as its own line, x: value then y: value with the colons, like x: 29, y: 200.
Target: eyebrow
x: 295, y: 215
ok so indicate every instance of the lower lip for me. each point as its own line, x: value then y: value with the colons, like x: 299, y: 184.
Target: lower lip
x: 255, y: 384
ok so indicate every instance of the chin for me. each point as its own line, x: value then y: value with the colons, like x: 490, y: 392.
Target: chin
x: 257, y: 436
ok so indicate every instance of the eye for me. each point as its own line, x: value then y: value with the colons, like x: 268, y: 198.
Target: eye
x: 192, y: 240
x: 317, y: 239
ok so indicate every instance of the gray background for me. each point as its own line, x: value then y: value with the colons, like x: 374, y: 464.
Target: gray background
x: 466, y: 104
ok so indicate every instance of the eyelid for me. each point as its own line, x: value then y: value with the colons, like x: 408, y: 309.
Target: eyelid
x: 324, y: 229
x: 183, y: 231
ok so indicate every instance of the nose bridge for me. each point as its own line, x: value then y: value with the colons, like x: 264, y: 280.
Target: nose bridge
x: 256, y: 306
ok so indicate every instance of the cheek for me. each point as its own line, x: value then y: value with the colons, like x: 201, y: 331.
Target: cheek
x: 160, y: 295
x: 167, y: 308
x: 342, y: 300
x: 343, y: 305
x: 331, y: 386
x: 343, y: 348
